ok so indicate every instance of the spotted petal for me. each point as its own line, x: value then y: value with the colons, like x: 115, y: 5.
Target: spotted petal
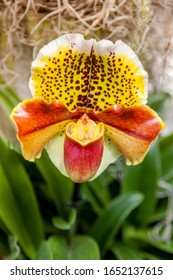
x: 132, y: 129
x: 37, y: 122
x: 88, y: 74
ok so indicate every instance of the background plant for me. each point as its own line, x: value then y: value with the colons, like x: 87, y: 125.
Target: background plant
x: 126, y: 213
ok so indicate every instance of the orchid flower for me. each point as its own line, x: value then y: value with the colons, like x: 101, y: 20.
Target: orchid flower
x: 88, y: 107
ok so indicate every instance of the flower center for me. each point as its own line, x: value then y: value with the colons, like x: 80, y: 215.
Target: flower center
x: 85, y: 130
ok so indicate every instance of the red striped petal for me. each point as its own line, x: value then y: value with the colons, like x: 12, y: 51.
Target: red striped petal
x: 132, y: 129
x: 139, y: 121
x: 83, y: 149
x: 37, y: 122
x: 82, y: 162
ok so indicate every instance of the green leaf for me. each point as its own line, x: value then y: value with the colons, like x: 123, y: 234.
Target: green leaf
x: 44, y: 252
x: 144, y: 178
x: 166, y: 152
x: 18, y: 206
x: 84, y: 248
x: 126, y: 252
x: 55, y: 248
x: 142, y: 239
x: 58, y: 247
x: 59, y: 186
x: 157, y: 101
x: 111, y: 220
x: 61, y: 223
x: 81, y: 248
x: 8, y: 99
x: 4, y: 245
x: 14, y: 248
x: 97, y: 191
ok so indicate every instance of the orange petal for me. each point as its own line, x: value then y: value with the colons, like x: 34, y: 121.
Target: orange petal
x: 133, y: 149
x: 82, y: 162
x: 132, y: 129
x: 37, y: 122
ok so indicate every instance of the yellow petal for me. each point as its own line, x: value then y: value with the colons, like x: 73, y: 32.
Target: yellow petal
x: 88, y: 74
x: 61, y: 71
x: 133, y: 149
x: 55, y: 150
x: 32, y: 144
x: 132, y: 129
x: 37, y: 122
x: 110, y: 155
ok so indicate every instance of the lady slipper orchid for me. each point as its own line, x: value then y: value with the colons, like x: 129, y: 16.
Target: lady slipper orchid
x: 88, y: 107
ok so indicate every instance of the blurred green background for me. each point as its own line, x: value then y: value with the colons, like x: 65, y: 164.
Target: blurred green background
x: 126, y: 213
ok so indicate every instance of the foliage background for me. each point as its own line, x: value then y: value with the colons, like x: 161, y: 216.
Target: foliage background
x: 127, y: 212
